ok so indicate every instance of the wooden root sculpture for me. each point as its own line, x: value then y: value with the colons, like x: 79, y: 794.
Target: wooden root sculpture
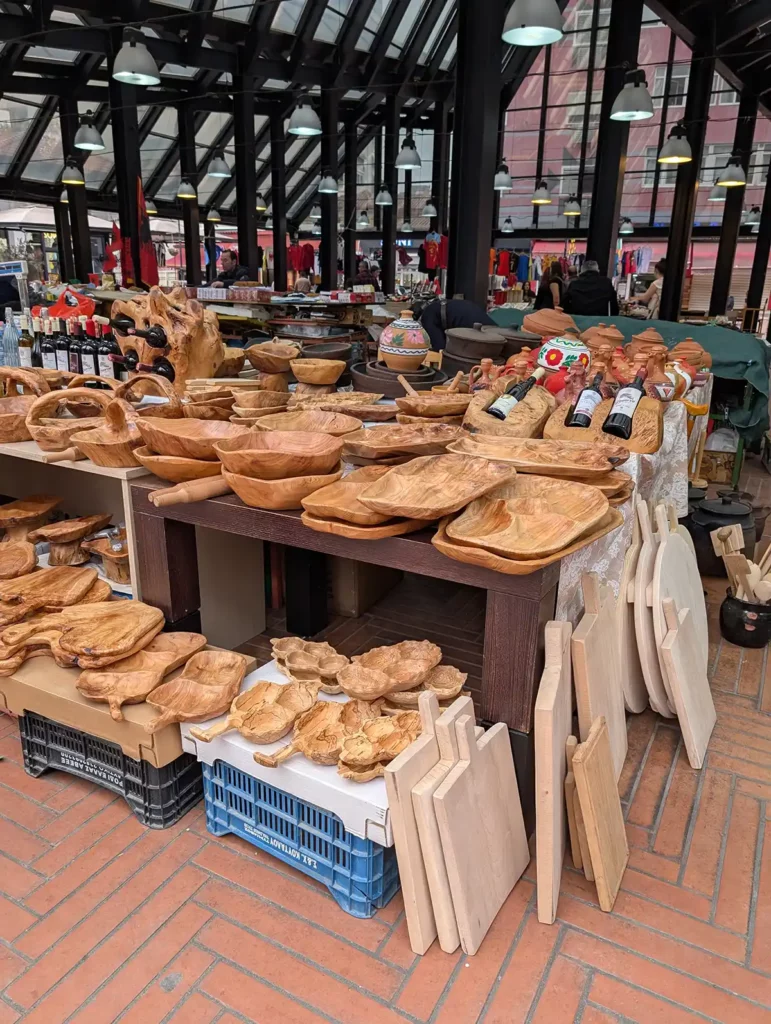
x: 195, y: 346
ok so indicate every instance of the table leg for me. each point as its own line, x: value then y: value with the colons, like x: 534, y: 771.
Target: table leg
x: 306, y: 591
x: 167, y: 564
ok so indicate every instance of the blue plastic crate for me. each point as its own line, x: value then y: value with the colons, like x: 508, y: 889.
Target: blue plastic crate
x: 361, y: 875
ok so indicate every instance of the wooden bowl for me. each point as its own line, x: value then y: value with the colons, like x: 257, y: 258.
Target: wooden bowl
x: 317, y: 371
x: 190, y: 439
x: 217, y: 401
x: 175, y: 469
x: 262, y: 399
x: 278, y: 494
x: 312, y: 421
x: 272, y: 356
x: 217, y: 409
x: 13, y: 417
x: 111, y: 445
x: 52, y: 433
x: 273, y: 382
x: 433, y: 404
x: 277, y: 454
x: 245, y: 413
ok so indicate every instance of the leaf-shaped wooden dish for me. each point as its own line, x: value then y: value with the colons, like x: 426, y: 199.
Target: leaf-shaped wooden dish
x: 188, y: 439
x: 434, y: 485
x: 130, y: 680
x: 174, y: 468
x: 265, y: 713
x: 262, y: 400
x: 272, y: 356
x: 573, y: 459
x: 391, y: 528
x: 341, y: 499
x: 320, y: 732
x: 57, y: 587
x: 17, y: 559
x: 446, y: 681
x: 390, y: 440
x: 278, y: 494
x: 205, y: 689
x: 647, y: 426
x: 427, y: 403
x: 277, y: 454
x: 381, y: 740
x: 531, y: 517
x: 310, y: 420
x: 385, y: 670
x: 18, y: 517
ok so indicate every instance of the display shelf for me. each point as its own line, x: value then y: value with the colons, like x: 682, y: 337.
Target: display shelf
x: 33, y: 453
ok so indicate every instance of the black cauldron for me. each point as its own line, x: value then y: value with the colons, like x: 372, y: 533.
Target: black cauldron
x: 744, y: 623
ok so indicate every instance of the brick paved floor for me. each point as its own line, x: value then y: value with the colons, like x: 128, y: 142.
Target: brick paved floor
x: 102, y: 920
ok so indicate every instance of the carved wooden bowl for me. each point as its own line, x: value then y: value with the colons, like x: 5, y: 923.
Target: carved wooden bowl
x: 113, y: 444
x: 175, y: 469
x: 334, y: 423
x: 446, y: 681
x: 243, y: 412
x: 385, y: 670
x: 262, y: 399
x: 272, y: 356
x: 433, y: 404
x: 381, y: 740
x: 318, y: 371
x: 52, y: 433
x: 190, y: 439
x: 277, y: 454
x: 278, y: 494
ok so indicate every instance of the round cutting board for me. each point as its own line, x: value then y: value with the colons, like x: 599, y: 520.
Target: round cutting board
x: 643, y: 617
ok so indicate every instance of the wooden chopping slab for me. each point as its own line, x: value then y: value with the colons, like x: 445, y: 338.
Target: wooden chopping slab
x: 647, y: 432
x: 553, y: 719
x: 595, y: 666
x: 647, y: 647
x: 482, y: 829
x: 632, y: 680
x: 601, y: 810
x: 45, y: 588
x: 17, y: 558
x: 690, y: 686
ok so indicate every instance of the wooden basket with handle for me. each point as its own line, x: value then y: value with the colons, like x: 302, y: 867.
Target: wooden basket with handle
x: 162, y: 387
x: 53, y: 435
x: 14, y: 407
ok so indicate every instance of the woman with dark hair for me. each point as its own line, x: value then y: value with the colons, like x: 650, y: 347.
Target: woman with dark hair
x: 652, y: 297
x: 550, y: 288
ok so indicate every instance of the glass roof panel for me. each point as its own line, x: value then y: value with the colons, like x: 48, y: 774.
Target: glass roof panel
x: 405, y: 27
x: 178, y: 71
x: 99, y: 165
x: 287, y: 15
x: 294, y: 180
x: 293, y: 149
x: 207, y: 187
x: 66, y: 17
x: 211, y: 128
x: 439, y: 27
x: 15, y: 119
x: 260, y: 120
x: 332, y: 21
x: 274, y: 83
x: 47, y: 161
x: 368, y: 33
x: 168, y: 189
x: 235, y: 10
x: 151, y: 153
x: 167, y: 123
x: 184, y: 4
x: 450, y: 55
x: 51, y: 53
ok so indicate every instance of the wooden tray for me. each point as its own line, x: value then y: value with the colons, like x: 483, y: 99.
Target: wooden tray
x: 320, y: 732
x: 265, y: 713
x: 611, y: 483
x: 488, y: 560
x: 310, y: 420
x: 531, y: 517
x: 431, y: 404
x: 360, y: 411
x: 277, y: 454
x: 351, y: 398
x: 189, y: 439
x: 390, y: 669
x: 272, y: 356
x: 17, y: 559
x: 526, y: 419
x: 572, y: 459
x: 445, y: 681
x: 386, y: 441
x: 278, y: 494
x: 407, y: 420
x: 113, y: 444
x: 239, y: 413
x: 377, y: 742
x: 175, y: 468
x: 434, y: 485
x: 647, y: 432
x: 341, y: 499
x: 45, y: 588
x: 205, y: 689
x: 317, y: 371
x: 393, y: 528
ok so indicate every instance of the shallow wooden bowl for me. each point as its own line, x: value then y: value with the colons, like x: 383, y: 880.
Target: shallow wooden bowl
x: 111, y: 445
x: 190, y: 439
x: 13, y: 416
x: 434, y: 404
x: 175, y: 469
x: 262, y: 399
x: 272, y: 356
x: 318, y: 371
x: 333, y: 423
x: 276, y: 454
x: 404, y: 439
x: 207, y: 411
x: 341, y: 500
x: 247, y: 413
x: 278, y: 494
x: 389, y: 669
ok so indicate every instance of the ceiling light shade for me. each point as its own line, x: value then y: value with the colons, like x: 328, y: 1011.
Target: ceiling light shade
x: 408, y: 158
x: 259, y: 203
x: 316, y: 229
x: 533, y: 23
x: 502, y: 180
x: 218, y: 168
x: 269, y: 224
x: 213, y: 216
x: 717, y: 195
x: 732, y: 176
x: 508, y: 226
x: 384, y: 198
x: 406, y: 228
x: 304, y: 121
x: 134, y: 64
x: 186, y: 190
x: 634, y: 102
x: 429, y: 210
x: 363, y: 221
x: 150, y: 207
x: 572, y: 208
x: 541, y: 195
x: 87, y: 137
x: 316, y: 212
x: 64, y: 198
x: 627, y: 227
x: 753, y: 216
x: 677, y: 148
x: 72, y: 174
x: 328, y: 185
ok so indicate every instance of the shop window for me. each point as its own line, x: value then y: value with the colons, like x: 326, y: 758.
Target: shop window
x: 715, y: 158
x: 678, y: 86
x: 759, y: 163
x: 722, y: 93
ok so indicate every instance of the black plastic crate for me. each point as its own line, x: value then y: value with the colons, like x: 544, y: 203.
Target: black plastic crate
x: 158, y: 796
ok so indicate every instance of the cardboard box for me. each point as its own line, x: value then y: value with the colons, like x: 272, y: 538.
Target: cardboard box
x: 40, y: 685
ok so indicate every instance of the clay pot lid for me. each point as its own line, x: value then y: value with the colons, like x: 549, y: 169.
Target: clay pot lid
x: 650, y: 336
x: 602, y: 334
x: 488, y: 335
x: 507, y: 333
x: 548, y: 322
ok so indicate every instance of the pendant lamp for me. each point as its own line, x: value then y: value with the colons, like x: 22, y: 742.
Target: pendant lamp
x: 304, y: 120
x: 572, y: 208
x: 507, y: 227
x: 753, y: 216
x: 627, y: 227
x: 533, y: 23
x: 717, y: 195
x: 72, y: 174
x: 213, y: 216
x: 732, y: 176
x: 408, y: 158
x: 134, y: 64
x: 316, y: 229
x: 186, y: 190
x: 87, y: 136
x: 259, y: 203
x: 64, y: 198
x: 384, y: 198
x: 316, y: 212
x: 634, y: 102
x: 406, y: 228
x: 677, y: 149
x: 269, y: 224
x: 328, y: 185
x: 363, y: 221
x: 150, y: 207
x: 502, y: 181
x: 429, y: 210
x: 218, y: 168
x: 541, y: 195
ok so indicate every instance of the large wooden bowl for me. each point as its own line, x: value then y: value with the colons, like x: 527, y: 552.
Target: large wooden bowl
x: 278, y: 494
x: 333, y: 423
x: 276, y: 454
x: 262, y: 399
x: 318, y: 371
x: 190, y: 439
x: 247, y: 413
x: 174, y: 468
x: 272, y: 356
x: 113, y: 444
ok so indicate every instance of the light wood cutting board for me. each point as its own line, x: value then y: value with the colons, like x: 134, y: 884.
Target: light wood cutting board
x: 632, y: 681
x: 482, y: 829
x: 595, y: 667
x: 553, y: 719
x: 643, y: 616
x: 690, y: 686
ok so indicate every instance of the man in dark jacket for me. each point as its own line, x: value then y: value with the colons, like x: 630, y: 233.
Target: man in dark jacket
x: 231, y: 271
x: 591, y: 293
x: 440, y: 314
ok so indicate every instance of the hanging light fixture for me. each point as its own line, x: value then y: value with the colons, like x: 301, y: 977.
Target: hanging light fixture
x: 316, y: 229
x: 384, y: 197
x: 634, y: 102
x: 259, y: 203
x: 717, y: 195
x: 533, y: 23
x: 186, y: 190
x: 72, y: 174
x: 406, y: 228
x: 218, y: 168
x: 408, y: 158
x: 213, y: 216
x: 328, y: 185
x: 627, y: 227
x: 429, y: 210
x: 150, y: 208
x: 541, y: 195
x: 502, y: 180
x: 304, y: 120
x: 87, y: 136
x: 753, y: 216
x: 316, y: 212
x: 572, y: 208
x: 507, y: 227
x: 134, y: 64
x: 363, y: 221
x: 677, y: 148
x: 732, y: 176
x: 269, y: 224
x: 64, y: 198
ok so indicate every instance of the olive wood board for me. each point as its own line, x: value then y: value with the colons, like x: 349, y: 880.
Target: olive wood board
x: 612, y: 483
x: 595, y: 667
x: 513, y: 567
x: 265, y: 712
x: 205, y: 689
x: 526, y: 419
x: 392, y: 528
x: 552, y: 724
x: 17, y: 558
x: 571, y: 459
x: 632, y: 679
x: 529, y: 517
x: 647, y: 426
x: 340, y: 500
x: 603, y: 818
x: 71, y: 529
x: 647, y: 647
x: 44, y: 588
x: 688, y: 682
x: 482, y: 829
x: 583, y: 845
x: 569, y: 791
x: 400, y: 439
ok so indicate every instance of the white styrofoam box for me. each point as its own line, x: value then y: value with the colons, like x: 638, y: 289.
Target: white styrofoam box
x: 362, y: 806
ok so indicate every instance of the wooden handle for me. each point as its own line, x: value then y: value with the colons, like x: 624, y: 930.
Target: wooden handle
x: 273, y: 760
x: 467, y: 744
x: 206, y: 735
x: 166, y: 717
x: 67, y: 455
x: 29, y: 379
x: 428, y: 705
x: 191, y: 491
x: 408, y: 388
x: 662, y: 520
x: 40, y: 406
x: 159, y: 384
x: 114, y: 704
x: 81, y: 378
x: 456, y: 381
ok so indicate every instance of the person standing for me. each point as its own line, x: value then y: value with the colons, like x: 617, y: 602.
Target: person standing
x: 652, y: 296
x: 550, y: 289
x: 439, y: 315
x: 591, y: 294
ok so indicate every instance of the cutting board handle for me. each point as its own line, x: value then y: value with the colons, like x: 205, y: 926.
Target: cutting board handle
x: 467, y: 744
x: 207, y: 735
x: 662, y: 520
x: 644, y: 517
x: 428, y: 705
x: 590, y: 585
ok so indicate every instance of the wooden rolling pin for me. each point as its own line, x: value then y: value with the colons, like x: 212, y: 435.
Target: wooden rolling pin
x: 190, y: 491
x: 66, y: 455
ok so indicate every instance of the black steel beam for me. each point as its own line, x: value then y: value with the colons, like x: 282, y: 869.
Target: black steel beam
x: 76, y: 194
x: 352, y: 29
x: 190, y: 212
x: 440, y: 169
x: 278, y: 200
x: 349, y: 232
x: 329, y: 215
x: 210, y: 245
x: 246, y: 174
x: 407, y: 196
x: 64, y: 241
x: 383, y: 39
x: 760, y: 261
x: 732, y: 210
x: 377, y: 218
x: 391, y: 182
x: 742, y: 20
x: 197, y: 26
x: 125, y: 137
x: 419, y: 37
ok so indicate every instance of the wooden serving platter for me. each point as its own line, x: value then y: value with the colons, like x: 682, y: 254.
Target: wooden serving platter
x: 17, y: 559
x: 405, y: 419
x: 366, y: 413
x: 341, y: 499
x: 427, y: 404
x: 45, y: 588
x: 526, y: 419
x: 395, y: 440
x: 205, y: 689
x: 320, y: 732
x: 572, y: 459
x: 647, y: 432
x: 392, y: 528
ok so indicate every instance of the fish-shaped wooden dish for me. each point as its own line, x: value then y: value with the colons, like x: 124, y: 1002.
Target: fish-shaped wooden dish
x: 205, y: 689
x: 264, y: 713
x: 320, y: 732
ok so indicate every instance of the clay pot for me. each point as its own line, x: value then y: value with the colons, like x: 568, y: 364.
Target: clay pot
x: 691, y: 352
x: 482, y: 377
x: 601, y: 334
x: 403, y: 344
x: 562, y: 352
x: 548, y: 323
x: 643, y: 342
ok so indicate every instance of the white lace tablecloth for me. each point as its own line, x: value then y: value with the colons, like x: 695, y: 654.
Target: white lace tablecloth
x: 659, y: 477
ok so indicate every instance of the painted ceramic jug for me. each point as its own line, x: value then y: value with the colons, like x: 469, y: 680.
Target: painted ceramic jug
x: 560, y: 353
x: 403, y: 344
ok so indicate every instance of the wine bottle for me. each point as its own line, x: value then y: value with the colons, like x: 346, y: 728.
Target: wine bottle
x: 122, y: 323
x: 37, y: 342
x: 62, y: 346
x: 26, y: 343
x: 48, y: 346
x: 10, y: 353
x: 161, y: 366
x: 619, y: 419
x: 76, y: 362
x: 155, y: 336
x: 108, y: 346
x: 502, y: 406
x: 89, y: 357
x: 588, y: 400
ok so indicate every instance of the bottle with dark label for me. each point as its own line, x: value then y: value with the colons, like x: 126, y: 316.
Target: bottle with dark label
x: 62, y: 346
x: 588, y: 400
x: 619, y: 421
x: 89, y: 357
x: 74, y: 331
x: 155, y: 336
x: 108, y: 346
x: 502, y: 406
x: 37, y: 342
x: 26, y: 343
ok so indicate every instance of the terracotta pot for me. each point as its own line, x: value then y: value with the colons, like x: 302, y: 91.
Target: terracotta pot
x: 691, y: 352
x: 657, y: 383
x: 482, y: 377
x: 600, y: 335
x: 643, y: 342
x: 548, y: 323
x: 403, y: 344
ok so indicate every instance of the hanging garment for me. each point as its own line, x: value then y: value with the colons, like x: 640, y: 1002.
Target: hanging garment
x: 444, y: 252
x: 293, y: 256
x: 431, y: 249
x: 503, y: 262
x: 307, y: 257
x: 423, y: 267
x: 403, y: 256
x: 523, y: 267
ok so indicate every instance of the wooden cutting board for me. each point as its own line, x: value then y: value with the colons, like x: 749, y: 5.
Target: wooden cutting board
x: 570, y: 789
x: 647, y: 432
x: 601, y: 811
x: 595, y: 667
x: 45, y: 588
x: 690, y: 686
x: 17, y: 558
x: 553, y: 719
x: 482, y: 829
x: 632, y: 680
x: 643, y: 617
